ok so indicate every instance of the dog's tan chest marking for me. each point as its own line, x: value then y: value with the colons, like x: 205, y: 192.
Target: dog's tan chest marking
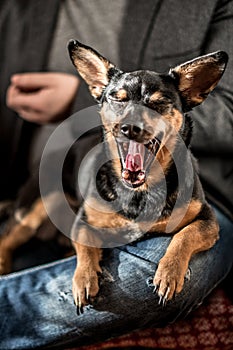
x: 102, y: 216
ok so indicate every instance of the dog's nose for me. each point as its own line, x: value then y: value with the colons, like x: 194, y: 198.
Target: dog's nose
x: 131, y: 131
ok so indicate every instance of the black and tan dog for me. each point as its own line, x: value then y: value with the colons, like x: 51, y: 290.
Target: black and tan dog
x: 139, y: 188
x: 145, y: 124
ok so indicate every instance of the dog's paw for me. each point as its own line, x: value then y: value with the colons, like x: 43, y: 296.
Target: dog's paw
x: 169, y: 278
x: 85, y: 286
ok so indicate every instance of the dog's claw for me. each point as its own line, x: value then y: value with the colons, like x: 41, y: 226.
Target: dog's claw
x: 80, y: 308
x: 164, y: 301
x: 85, y: 287
x: 160, y: 299
x: 163, y: 297
x: 155, y: 288
x: 88, y: 298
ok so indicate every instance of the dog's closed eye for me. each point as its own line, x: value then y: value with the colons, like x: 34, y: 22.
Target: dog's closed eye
x: 160, y: 105
x: 119, y: 96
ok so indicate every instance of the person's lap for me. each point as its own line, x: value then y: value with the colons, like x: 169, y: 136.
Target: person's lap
x: 37, y: 307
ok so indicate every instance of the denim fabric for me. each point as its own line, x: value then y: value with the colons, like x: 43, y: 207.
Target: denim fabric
x: 37, y: 309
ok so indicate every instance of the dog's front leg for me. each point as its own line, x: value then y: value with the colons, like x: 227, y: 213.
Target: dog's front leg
x: 198, y: 236
x: 19, y: 233
x: 85, y: 279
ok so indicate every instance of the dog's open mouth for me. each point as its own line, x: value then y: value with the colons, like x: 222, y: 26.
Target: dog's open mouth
x: 136, y: 159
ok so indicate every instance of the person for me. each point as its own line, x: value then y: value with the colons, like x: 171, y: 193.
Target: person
x: 154, y: 35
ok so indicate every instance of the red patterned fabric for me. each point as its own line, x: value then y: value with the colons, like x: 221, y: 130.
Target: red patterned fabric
x: 210, y: 327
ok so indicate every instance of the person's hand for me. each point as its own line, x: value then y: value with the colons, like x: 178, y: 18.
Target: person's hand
x: 42, y: 97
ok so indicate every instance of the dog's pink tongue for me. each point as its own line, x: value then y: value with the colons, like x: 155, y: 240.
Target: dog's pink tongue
x: 135, y: 156
x: 133, y: 162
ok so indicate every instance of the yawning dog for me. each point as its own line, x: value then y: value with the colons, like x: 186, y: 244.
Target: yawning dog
x: 146, y: 125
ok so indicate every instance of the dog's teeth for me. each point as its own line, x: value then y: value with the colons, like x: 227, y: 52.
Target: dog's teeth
x: 150, y: 145
x: 125, y: 174
x: 125, y: 146
x: 141, y: 175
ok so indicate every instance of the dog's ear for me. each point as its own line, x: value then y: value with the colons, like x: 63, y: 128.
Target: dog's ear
x: 197, y: 78
x: 93, y: 68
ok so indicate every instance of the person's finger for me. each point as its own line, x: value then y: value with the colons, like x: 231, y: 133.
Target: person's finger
x: 31, y: 81
x: 12, y: 91
x: 16, y: 99
x: 31, y: 115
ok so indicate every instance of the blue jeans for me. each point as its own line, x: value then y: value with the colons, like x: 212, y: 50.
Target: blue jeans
x: 37, y: 309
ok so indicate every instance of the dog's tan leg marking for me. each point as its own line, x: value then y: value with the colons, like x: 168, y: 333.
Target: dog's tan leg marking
x: 186, y: 215
x: 20, y: 233
x: 85, y: 279
x: 198, y: 236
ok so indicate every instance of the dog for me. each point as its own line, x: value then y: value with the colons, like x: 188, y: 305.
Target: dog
x: 138, y: 111
x: 137, y: 191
